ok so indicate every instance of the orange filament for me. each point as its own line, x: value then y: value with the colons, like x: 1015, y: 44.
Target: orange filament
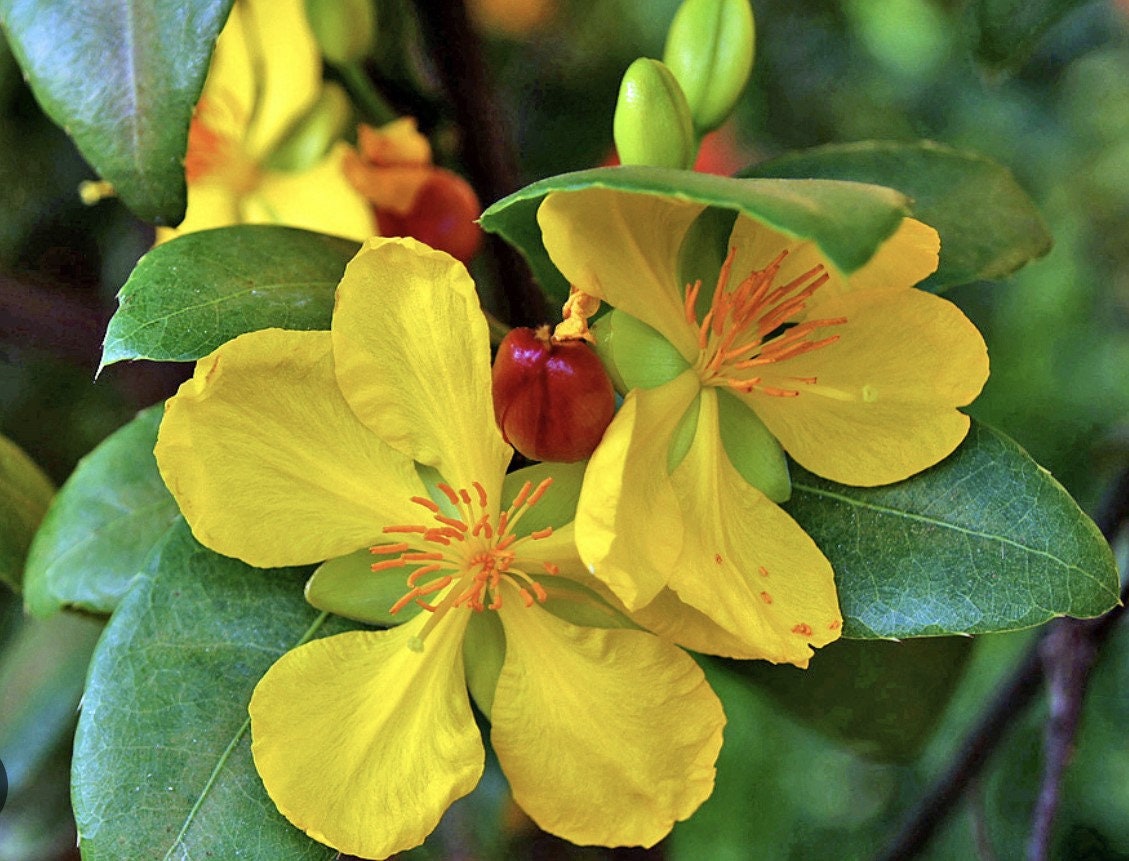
x: 739, y: 332
x: 469, y: 555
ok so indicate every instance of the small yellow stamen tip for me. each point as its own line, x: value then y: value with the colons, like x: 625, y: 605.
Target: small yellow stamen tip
x: 93, y: 191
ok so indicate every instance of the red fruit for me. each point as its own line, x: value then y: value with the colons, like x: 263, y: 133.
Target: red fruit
x: 552, y: 400
x: 442, y: 215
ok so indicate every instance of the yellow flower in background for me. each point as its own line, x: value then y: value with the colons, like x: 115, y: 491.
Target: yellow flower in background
x: 858, y: 378
x: 289, y: 448
x: 264, y: 79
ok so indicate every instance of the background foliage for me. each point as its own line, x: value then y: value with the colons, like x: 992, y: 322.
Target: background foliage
x: 1045, y: 93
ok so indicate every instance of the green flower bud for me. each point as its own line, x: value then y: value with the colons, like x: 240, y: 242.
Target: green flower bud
x: 313, y: 134
x: 709, y: 49
x: 652, y: 119
x: 344, y: 28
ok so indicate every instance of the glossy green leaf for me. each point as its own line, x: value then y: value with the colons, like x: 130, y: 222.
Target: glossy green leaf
x: 122, y: 78
x: 985, y: 541
x: 989, y: 227
x: 41, y: 674
x: 102, y: 526
x: 1008, y: 31
x: 189, y: 295
x: 25, y: 493
x: 847, y: 220
x: 882, y: 699
x: 162, y: 764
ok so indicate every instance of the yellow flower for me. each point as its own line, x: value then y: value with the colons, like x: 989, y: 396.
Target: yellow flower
x: 857, y: 378
x: 265, y: 77
x: 288, y: 448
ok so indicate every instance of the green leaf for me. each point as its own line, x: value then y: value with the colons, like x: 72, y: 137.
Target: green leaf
x: 41, y: 675
x: 122, y: 78
x: 102, y: 526
x: 989, y: 227
x: 985, y: 541
x: 25, y: 493
x: 882, y: 699
x: 162, y: 764
x: 189, y: 295
x: 1008, y: 31
x: 847, y: 220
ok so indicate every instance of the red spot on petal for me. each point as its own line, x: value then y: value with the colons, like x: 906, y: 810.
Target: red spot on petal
x: 803, y: 629
x: 835, y: 626
x: 717, y: 558
x: 766, y: 597
x: 763, y: 571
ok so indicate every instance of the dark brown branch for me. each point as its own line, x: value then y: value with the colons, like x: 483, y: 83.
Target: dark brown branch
x: 488, y: 148
x: 1012, y: 701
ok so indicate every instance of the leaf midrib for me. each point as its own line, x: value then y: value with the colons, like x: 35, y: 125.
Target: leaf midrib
x: 972, y: 533
x: 227, y: 752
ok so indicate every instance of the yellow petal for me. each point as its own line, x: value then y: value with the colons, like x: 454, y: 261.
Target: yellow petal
x: 907, y: 257
x: 413, y: 359
x: 363, y: 743
x: 628, y: 525
x: 745, y: 563
x: 319, y: 198
x: 883, y: 406
x: 210, y: 204
x: 623, y: 248
x: 607, y: 737
x: 286, y: 64
x: 267, y: 461
x: 673, y: 619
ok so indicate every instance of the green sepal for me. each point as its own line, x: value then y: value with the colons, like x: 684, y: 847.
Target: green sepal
x: 102, y: 526
x: 702, y: 254
x: 576, y: 603
x: 684, y: 433
x: 557, y: 507
x: 752, y: 449
x: 347, y: 586
x: 635, y: 355
x: 484, y: 652
x: 847, y: 220
x: 25, y: 494
x: 315, y: 132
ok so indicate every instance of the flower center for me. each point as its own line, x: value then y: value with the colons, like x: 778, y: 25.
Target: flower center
x: 467, y: 559
x: 750, y: 327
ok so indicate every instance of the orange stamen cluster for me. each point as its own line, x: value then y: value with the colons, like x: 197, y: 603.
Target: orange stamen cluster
x: 469, y: 556
x: 211, y: 153
x: 736, y: 336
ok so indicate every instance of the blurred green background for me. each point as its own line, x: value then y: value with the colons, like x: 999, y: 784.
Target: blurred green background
x: 1058, y: 334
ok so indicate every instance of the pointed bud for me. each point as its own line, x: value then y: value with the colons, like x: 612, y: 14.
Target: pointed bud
x: 344, y: 28
x: 652, y: 119
x: 709, y: 50
x: 552, y: 400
